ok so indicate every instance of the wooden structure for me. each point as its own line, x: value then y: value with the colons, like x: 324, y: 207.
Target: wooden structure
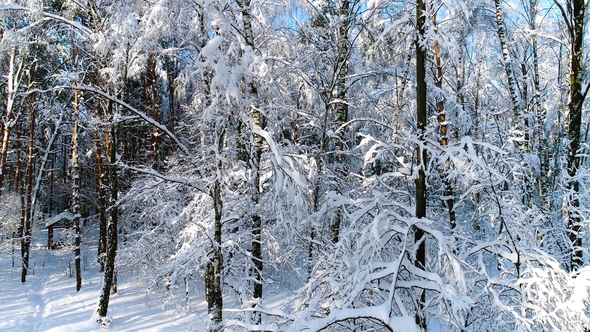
x: 60, y: 221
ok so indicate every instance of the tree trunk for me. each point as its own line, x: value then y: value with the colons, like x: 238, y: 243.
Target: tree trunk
x: 255, y: 155
x: 76, y: 176
x: 155, y: 133
x: 215, y: 263
x: 109, y: 274
x: 444, y: 138
x: 577, y: 96
x: 341, y: 104
x: 19, y: 187
x: 13, y: 81
x: 171, y: 75
x: 76, y: 193
x: 26, y: 239
x: 421, y: 117
x: 215, y: 302
x: 102, y: 238
x: 543, y: 151
x: 508, y: 67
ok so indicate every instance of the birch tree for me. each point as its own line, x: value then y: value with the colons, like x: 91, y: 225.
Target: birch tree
x: 15, y: 74
x: 508, y: 63
x: 254, y: 164
x: 573, y: 15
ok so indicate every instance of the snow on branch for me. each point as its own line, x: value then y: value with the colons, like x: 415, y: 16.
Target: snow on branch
x: 84, y: 30
x: 279, y: 160
x: 199, y: 186
x: 114, y: 99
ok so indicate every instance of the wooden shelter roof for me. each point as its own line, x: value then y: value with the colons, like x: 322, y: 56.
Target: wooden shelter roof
x: 62, y: 220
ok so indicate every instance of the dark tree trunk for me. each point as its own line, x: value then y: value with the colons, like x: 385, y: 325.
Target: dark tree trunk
x: 102, y: 237
x: 171, y: 75
x: 154, y: 98
x: 216, y: 299
x: 76, y: 194
x: 215, y: 263
x: 109, y: 274
x: 421, y: 117
x: 19, y: 187
x: 577, y: 96
x: 76, y: 177
x: 26, y: 239
x: 341, y: 104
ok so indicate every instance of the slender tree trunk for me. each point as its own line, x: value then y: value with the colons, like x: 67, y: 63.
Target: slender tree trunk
x: 23, y: 215
x: 155, y: 133
x: 216, y: 300
x: 543, y: 151
x: 76, y: 176
x: 109, y: 274
x: 577, y: 96
x: 316, y: 196
x: 255, y: 155
x: 19, y: 187
x: 213, y: 282
x: 103, y: 249
x: 215, y: 263
x: 444, y: 138
x: 421, y: 117
x: 76, y: 193
x: 102, y: 237
x: 341, y: 103
x: 26, y: 240
x: 508, y: 67
x: 171, y: 74
x: 320, y: 157
x: 13, y: 81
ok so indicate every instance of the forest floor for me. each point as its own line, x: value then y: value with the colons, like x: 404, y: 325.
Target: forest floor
x: 48, y: 300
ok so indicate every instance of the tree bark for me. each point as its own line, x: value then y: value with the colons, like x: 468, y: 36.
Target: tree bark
x: 341, y: 103
x: 255, y: 155
x: 444, y: 137
x: 577, y: 96
x: 420, y: 182
x: 508, y: 68
x: 26, y: 239
x: 543, y: 150
x: 102, y: 237
x: 171, y: 74
x: 13, y: 81
x: 216, y: 299
x: 109, y: 274
x: 155, y: 133
x: 19, y: 187
x: 76, y: 176
x: 76, y: 192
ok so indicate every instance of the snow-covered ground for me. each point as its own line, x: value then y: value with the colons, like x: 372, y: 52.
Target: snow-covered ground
x: 48, y: 301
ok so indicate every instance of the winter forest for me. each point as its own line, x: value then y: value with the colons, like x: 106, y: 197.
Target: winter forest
x: 304, y: 165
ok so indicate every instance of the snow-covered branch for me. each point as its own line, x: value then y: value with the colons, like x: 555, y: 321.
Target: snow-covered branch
x: 118, y: 101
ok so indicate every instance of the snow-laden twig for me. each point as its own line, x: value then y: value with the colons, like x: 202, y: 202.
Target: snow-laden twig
x: 84, y: 30
x: 118, y: 101
x: 202, y: 187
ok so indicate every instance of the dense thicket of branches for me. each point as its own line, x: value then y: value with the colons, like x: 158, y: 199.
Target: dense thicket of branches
x: 393, y: 165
